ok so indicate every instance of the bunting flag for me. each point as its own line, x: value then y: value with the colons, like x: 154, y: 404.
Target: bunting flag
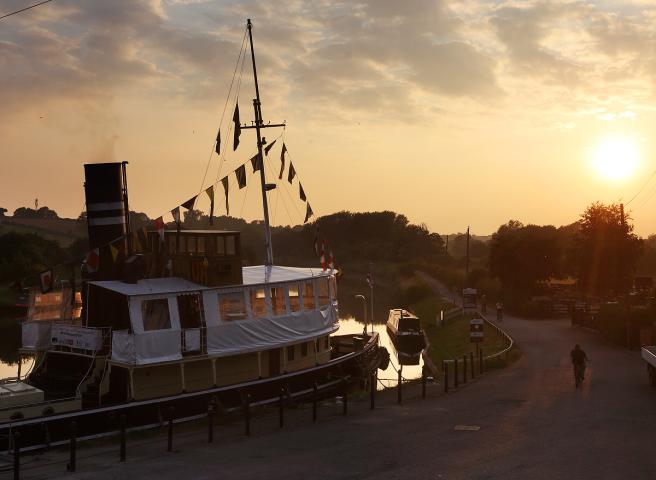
x: 292, y: 173
x: 302, y: 192
x: 93, y: 260
x: 142, y: 238
x: 282, y: 160
x: 224, y: 181
x: 217, y: 148
x: 308, y: 213
x: 114, y: 251
x: 159, y: 226
x: 316, y: 242
x: 235, y: 118
x: 210, y: 193
x: 269, y: 147
x: 322, y: 258
x: 189, y: 204
x: 46, y: 281
x: 331, y: 260
x: 240, y: 173
x: 176, y: 216
x: 256, y: 163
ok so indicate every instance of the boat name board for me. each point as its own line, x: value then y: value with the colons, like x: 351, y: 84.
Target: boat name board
x: 76, y: 337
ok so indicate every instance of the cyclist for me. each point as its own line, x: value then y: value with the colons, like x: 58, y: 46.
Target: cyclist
x: 579, y: 359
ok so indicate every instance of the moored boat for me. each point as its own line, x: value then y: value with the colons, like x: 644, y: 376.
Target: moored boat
x: 404, y: 328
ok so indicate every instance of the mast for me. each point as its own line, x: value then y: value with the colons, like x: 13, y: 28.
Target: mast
x: 259, y: 124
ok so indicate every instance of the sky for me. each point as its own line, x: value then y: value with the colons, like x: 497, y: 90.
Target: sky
x: 453, y: 113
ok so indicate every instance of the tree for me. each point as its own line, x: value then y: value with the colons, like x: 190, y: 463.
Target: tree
x: 23, y: 254
x: 43, y: 212
x: 521, y: 256
x: 605, y: 250
x: 3, y: 211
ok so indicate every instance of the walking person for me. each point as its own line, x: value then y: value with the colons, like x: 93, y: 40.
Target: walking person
x: 579, y: 360
x: 499, y: 311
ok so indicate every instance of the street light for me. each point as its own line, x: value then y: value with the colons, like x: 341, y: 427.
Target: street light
x: 364, y: 302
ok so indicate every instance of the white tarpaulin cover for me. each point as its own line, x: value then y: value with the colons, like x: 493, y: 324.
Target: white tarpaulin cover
x: 122, y: 346
x: 261, y: 334
x: 192, y: 339
x: 36, y: 334
x: 148, y: 347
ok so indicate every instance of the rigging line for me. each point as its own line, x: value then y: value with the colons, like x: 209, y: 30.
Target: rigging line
x: 243, y: 203
x: 284, y: 203
x: 289, y: 193
x: 24, y: 9
x: 651, y: 195
x: 642, y: 188
x: 225, y: 105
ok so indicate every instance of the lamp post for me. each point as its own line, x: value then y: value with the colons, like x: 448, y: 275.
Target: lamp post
x: 364, y: 302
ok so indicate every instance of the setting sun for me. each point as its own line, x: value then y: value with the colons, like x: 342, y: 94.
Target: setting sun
x: 616, y: 158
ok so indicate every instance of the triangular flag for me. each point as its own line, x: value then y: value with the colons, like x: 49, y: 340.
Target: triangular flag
x: 159, y: 226
x: 114, y: 251
x: 235, y: 118
x: 224, y: 181
x: 46, y: 281
x: 189, y: 204
x: 269, y: 147
x: 301, y: 192
x: 217, y: 148
x: 292, y: 173
x: 210, y: 193
x: 255, y: 163
x: 322, y: 259
x: 93, y: 260
x: 240, y: 173
x: 316, y: 242
x: 282, y: 161
x: 308, y: 213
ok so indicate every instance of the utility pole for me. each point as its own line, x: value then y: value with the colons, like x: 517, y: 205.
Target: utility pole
x: 467, y: 262
x: 621, y: 253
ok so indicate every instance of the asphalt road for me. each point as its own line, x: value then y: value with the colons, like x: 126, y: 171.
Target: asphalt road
x: 533, y: 425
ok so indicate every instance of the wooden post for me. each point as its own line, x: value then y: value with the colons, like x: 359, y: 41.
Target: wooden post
x: 423, y: 382
x: 73, y: 448
x: 314, y: 402
x: 445, y: 368
x: 481, y: 360
x: 16, y: 441
x: 210, y: 422
x: 123, y: 422
x: 345, y: 398
x: 464, y: 369
x: 372, y: 390
x: 281, y: 408
x: 399, y: 393
x: 169, y: 446
x: 455, y: 373
x: 247, y: 415
x: 471, y: 362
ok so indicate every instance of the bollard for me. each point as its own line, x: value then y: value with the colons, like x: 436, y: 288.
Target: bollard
x: 247, y: 415
x: 464, y: 369
x: 481, y: 361
x: 73, y: 447
x: 210, y: 422
x: 345, y: 399
x: 314, y: 402
x: 455, y: 373
x: 372, y: 390
x: 16, y: 441
x: 281, y: 408
x: 169, y: 446
x: 423, y: 382
x: 123, y: 421
x: 399, y: 387
x: 471, y: 362
x: 46, y: 435
x: 445, y: 368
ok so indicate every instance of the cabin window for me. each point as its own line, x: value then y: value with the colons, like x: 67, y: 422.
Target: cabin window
x: 290, y: 353
x: 155, y: 314
x: 230, y: 246
x: 294, y: 297
x: 200, y: 245
x: 220, y: 246
x: 191, y: 244
x: 190, y: 308
x: 324, y: 299
x: 304, y: 349
x: 308, y: 295
x: 258, y: 303
x: 232, y: 306
x: 278, y: 301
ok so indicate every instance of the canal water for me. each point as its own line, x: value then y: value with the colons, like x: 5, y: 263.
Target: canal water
x: 10, y: 342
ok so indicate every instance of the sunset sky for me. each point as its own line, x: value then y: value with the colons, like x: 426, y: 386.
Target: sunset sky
x: 452, y: 113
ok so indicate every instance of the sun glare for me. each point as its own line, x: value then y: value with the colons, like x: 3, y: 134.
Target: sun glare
x: 616, y: 158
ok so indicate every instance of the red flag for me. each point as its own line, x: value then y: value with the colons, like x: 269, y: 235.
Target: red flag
x: 159, y: 226
x: 322, y: 259
x: 46, y: 281
x: 93, y: 260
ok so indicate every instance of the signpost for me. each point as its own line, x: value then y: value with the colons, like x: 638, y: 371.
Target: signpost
x: 469, y: 301
x: 476, y: 331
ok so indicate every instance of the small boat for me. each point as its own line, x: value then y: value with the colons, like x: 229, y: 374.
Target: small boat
x: 404, y: 328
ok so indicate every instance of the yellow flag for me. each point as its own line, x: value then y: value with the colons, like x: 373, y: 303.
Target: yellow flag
x: 114, y: 251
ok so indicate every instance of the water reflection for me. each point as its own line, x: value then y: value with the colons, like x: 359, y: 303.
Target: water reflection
x: 10, y: 342
x: 410, y: 362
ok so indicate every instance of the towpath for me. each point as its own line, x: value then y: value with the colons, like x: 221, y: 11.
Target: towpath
x: 532, y: 424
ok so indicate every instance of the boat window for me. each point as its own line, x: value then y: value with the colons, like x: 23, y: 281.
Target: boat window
x: 190, y: 308
x: 294, y: 297
x: 232, y: 306
x: 230, y: 245
x: 191, y: 244
x: 304, y: 349
x: 290, y: 353
x: 258, y: 303
x: 155, y: 314
x: 278, y: 301
x: 409, y: 323
x: 200, y: 245
x: 324, y: 300
x: 220, y: 246
x: 308, y: 295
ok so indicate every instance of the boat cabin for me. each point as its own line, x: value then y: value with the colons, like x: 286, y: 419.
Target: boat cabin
x: 402, y: 322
